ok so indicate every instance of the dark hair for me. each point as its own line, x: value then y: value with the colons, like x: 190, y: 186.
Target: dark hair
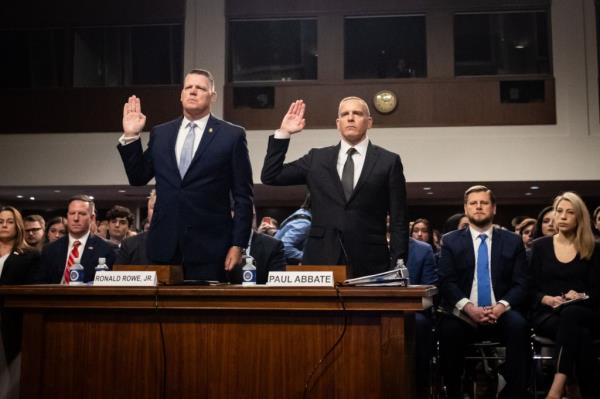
x: 537, y: 233
x: 594, y: 215
x: 207, y: 74
x: 451, y: 223
x: 119, y: 211
x: 480, y: 189
x: 35, y: 218
x: 84, y: 198
x: 429, y: 229
x: 53, y: 221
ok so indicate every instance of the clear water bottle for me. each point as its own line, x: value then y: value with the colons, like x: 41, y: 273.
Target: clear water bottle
x: 403, y: 270
x: 249, y: 271
x: 102, y: 267
x: 77, y: 273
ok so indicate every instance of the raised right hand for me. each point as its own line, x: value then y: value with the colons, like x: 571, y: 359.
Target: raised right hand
x: 293, y: 121
x: 133, y: 119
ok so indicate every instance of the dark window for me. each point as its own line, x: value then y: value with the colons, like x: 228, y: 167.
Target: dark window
x: 33, y: 58
x: 123, y: 56
x: 384, y: 47
x: 501, y: 43
x: 263, y: 50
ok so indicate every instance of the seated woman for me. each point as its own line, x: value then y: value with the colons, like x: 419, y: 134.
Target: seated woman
x: 17, y: 262
x: 422, y: 230
x: 565, y: 268
x: 544, y: 226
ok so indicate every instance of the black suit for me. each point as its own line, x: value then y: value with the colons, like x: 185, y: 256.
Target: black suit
x: 133, y: 251
x: 353, y: 231
x: 509, y: 282
x: 54, y: 258
x: 18, y: 269
x: 268, y: 254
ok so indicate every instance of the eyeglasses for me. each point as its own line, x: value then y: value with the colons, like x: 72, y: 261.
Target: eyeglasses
x: 33, y: 230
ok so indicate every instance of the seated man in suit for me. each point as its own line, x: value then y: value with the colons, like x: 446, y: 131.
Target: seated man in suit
x: 133, y: 249
x: 483, y: 281
x: 79, y: 243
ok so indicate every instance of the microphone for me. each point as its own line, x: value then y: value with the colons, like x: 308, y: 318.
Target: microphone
x: 340, y: 235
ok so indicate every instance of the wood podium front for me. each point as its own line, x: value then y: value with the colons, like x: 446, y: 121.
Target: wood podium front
x: 216, y: 342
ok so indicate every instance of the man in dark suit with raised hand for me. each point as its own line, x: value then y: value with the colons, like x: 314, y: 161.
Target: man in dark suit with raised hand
x: 483, y: 281
x: 198, y: 162
x: 354, y: 185
x: 79, y: 243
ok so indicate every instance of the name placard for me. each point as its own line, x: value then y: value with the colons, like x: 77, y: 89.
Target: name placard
x: 125, y: 279
x: 300, y: 279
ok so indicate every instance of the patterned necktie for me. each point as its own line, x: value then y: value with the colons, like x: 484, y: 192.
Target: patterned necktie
x: 187, y: 152
x: 484, y: 286
x: 74, y: 254
x: 348, y: 174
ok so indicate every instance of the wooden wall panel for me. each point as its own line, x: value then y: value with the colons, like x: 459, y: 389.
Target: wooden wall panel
x: 440, y: 102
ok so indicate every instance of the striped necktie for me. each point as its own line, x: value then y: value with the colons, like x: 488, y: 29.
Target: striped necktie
x: 73, y: 255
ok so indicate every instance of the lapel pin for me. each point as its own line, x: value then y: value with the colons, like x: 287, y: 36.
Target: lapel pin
x: 90, y: 248
x: 210, y: 130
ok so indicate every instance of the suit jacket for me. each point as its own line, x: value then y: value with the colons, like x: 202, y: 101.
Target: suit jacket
x: 354, y: 230
x: 421, y: 263
x: 192, y: 221
x: 268, y: 254
x: 19, y: 268
x: 133, y: 251
x: 510, y: 278
x: 54, y: 258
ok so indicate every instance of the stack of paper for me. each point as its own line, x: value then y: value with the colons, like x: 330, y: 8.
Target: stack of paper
x: 391, y: 278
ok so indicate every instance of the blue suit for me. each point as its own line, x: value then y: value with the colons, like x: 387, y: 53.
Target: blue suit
x: 421, y: 263
x: 54, y: 258
x: 192, y: 222
x: 510, y: 280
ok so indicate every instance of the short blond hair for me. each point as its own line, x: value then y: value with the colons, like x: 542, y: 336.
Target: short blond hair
x: 354, y: 98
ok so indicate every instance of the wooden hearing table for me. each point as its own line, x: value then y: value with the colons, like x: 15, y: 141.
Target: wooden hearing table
x: 216, y: 342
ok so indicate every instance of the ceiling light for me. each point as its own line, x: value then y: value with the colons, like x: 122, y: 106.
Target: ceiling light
x: 32, y: 198
x: 534, y: 187
x: 426, y: 188
x: 91, y: 197
x: 429, y: 192
x: 57, y: 191
x: 19, y: 196
x: 527, y: 194
x: 122, y: 191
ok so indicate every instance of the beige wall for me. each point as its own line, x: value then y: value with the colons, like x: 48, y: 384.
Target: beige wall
x: 569, y: 150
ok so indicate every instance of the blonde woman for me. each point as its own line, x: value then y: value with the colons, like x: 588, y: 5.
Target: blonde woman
x: 565, y: 284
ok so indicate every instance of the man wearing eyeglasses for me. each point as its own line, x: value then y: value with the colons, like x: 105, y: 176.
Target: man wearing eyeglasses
x: 34, y: 231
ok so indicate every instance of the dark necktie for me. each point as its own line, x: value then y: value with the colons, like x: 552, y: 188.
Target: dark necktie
x: 484, y: 286
x: 348, y: 174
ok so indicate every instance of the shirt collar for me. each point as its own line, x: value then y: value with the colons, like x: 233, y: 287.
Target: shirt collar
x: 361, y: 147
x: 199, y: 122
x: 476, y: 233
x: 83, y: 239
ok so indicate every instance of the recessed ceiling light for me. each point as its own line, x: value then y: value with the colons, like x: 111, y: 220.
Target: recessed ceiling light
x: 32, y: 198
x: 19, y: 196
x: 426, y: 188
x: 528, y: 194
x: 91, y: 197
x: 429, y: 192
x: 534, y: 187
x: 122, y: 191
x: 57, y: 191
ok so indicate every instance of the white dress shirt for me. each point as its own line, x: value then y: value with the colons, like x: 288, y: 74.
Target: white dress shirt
x: 476, y: 243
x: 181, y: 135
x: 358, y: 157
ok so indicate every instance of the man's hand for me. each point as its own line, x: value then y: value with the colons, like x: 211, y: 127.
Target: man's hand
x: 133, y: 119
x: 572, y: 294
x: 478, y: 314
x: 293, y: 121
x: 233, y: 258
x: 496, y: 312
x: 552, y: 301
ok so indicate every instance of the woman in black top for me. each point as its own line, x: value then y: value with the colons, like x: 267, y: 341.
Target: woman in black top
x: 565, y: 268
